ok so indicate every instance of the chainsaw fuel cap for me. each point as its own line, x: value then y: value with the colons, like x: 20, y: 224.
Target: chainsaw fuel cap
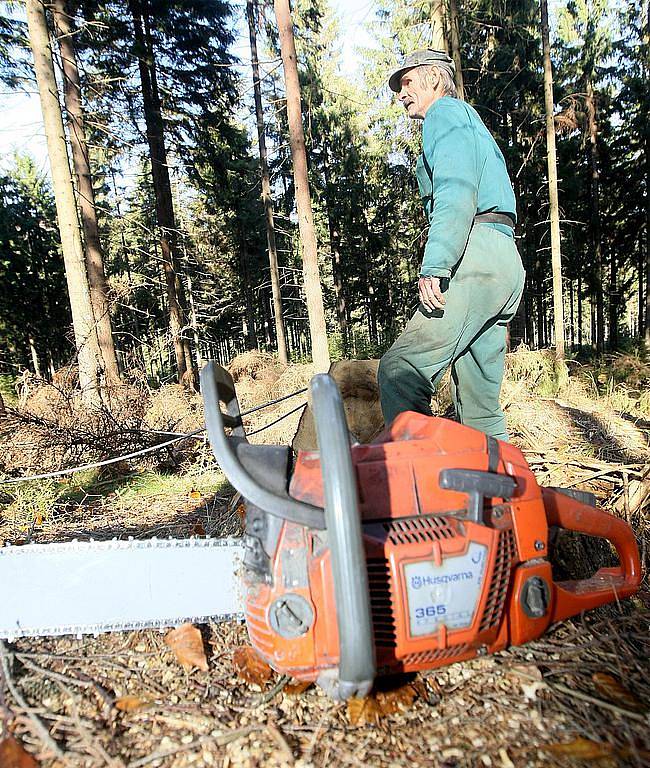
x: 291, y: 615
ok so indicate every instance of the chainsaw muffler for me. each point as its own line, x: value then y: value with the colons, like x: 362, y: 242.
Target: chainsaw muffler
x: 426, y: 547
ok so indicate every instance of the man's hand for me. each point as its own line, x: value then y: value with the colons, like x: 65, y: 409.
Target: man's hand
x: 430, y: 293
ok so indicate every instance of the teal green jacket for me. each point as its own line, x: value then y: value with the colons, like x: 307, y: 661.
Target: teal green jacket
x: 461, y: 172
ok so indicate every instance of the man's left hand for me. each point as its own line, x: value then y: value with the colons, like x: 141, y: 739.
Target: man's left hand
x: 430, y: 293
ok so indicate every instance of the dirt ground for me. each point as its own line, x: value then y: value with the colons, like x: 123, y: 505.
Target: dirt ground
x: 580, y: 694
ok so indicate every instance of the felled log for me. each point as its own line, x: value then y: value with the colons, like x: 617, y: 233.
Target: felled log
x: 357, y: 382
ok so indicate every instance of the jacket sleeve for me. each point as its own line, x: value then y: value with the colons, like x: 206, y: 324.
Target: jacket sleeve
x: 450, y: 147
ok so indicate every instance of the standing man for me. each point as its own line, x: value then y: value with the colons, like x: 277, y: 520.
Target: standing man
x: 471, y: 277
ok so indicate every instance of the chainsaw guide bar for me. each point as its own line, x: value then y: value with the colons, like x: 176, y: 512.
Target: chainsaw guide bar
x: 91, y: 587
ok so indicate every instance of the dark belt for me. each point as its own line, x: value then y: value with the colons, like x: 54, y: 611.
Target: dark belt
x: 495, y: 218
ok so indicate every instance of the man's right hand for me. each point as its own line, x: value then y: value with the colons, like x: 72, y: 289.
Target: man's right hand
x: 430, y: 293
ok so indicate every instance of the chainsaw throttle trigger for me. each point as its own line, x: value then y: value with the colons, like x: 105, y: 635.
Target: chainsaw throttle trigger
x: 478, y: 485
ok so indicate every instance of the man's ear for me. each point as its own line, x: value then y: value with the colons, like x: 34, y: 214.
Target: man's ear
x: 437, y: 79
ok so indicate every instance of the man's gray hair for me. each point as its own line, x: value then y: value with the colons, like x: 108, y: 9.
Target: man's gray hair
x: 426, y: 73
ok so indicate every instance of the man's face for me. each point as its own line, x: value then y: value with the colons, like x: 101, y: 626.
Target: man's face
x: 417, y: 94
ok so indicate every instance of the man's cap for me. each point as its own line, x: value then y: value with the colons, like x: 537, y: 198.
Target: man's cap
x: 419, y: 59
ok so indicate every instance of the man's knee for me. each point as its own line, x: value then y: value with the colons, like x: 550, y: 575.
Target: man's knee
x: 386, y: 370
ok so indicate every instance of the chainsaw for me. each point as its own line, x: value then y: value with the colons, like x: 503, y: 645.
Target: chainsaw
x: 428, y: 546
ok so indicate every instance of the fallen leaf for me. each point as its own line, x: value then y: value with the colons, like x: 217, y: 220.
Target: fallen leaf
x: 297, y: 687
x: 582, y: 749
x: 241, y: 512
x: 250, y: 667
x: 371, y: 709
x: 198, y: 529
x: 187, y: 645
x: 195, y: 494
x: 13, y: 755
x: 364, y: 711
x: 130, y: 703
x: 612, y: 689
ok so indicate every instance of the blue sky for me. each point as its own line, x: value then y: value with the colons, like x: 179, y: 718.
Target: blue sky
x: 21, y: 126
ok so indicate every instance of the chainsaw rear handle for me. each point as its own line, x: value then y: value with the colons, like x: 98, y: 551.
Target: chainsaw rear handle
x: 217, y: 386
x: 357, y: 667
x: 607, y: 584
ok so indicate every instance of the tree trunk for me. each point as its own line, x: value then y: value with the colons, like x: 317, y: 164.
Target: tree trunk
x: 613, y: 300
x: 280, y: 334
x: 644, y: 332
x: 195, y: 323
x: 554, y: 212
x: 250, y: 333
x: 640, y: 292
x: 572, y: 324
x: 162, y: 187
x: 35, y: 361
x: 438, y: 26
x: 85, y: 192
x: 73, y: 256
x: 335, y: 248
x: 594, y: 188
x: 579, y: 311
x: 313, y: 291
x: 454, y: 37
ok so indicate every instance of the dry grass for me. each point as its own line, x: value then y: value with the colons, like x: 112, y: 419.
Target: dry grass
x: 500, y: 711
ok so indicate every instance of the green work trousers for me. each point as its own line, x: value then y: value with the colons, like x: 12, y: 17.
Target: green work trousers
x: 469, y: 335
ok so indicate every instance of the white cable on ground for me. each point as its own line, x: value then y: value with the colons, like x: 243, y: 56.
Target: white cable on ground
x: 153, y: 448
x: 95, y: 464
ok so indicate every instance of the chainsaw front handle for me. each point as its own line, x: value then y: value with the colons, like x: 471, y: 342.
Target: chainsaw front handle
x: 607, y: 584
x: 357, y: 667
x: 217, y: 386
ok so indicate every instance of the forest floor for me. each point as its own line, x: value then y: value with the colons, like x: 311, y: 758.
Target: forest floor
x: 580, y: 693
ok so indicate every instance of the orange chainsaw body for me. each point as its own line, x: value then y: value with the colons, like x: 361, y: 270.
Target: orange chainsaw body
x: 443, y: 587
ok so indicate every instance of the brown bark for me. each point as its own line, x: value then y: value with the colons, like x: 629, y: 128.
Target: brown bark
x: 35, y: 361
x: 579, y: 311
x: 313, y: 291
x: 572, y: 325
x: 644, y: 332
x: 595, y: 229
x: 3, y: 410
x: 249, y: 327
x: 613, y: 300
x: 639, y: 292
x: 335, y: 248
x: 85, y: 193
x: 454, y: 39
x: 68, y: 224
x: 438, y: 26
x: 162, y: 188
x: 554, y: 208
x: 267, y: 200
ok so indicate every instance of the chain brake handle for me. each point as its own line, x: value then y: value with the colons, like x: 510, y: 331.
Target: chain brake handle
x: 607, y: 584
